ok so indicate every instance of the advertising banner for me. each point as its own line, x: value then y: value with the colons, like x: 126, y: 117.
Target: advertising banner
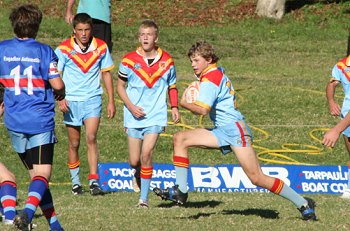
x: 229, y: 178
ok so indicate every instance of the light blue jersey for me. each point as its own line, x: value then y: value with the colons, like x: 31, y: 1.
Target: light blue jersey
x: 82, y: 71
x: 97, y: 9
x: 147, y: 87
x: 217, y: 94
x: 341, y: 73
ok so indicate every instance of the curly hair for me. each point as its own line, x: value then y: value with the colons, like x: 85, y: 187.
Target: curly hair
x: 204, y: 49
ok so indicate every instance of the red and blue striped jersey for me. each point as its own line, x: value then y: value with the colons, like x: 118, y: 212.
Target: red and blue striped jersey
x: 25, y: 69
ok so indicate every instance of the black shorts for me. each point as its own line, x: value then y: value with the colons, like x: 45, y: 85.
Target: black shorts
x: 38, y: 155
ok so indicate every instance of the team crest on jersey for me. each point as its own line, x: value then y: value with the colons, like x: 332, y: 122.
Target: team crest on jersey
x: 137, y: 66
x: 72, y: 52
x: 162, y: 65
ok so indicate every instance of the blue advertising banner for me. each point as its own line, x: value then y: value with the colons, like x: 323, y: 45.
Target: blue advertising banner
x: 230, y: 178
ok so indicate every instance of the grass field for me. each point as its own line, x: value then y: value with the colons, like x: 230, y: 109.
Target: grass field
x: 280, y: 70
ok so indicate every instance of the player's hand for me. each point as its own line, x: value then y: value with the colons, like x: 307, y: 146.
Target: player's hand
x: 136, y: 111
x: 63, y: 105
x: 110, y: 110
x: 59, y: 96
x: 334, y: 109
x: 330, y: 138
x: 175, y: 114
x: 69, y: 18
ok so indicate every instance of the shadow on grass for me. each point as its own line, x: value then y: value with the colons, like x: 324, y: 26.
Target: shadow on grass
x: 195, y: 204
x: 263, y: 213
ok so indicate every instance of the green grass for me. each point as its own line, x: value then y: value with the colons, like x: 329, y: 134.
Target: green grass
x: 279, y: 69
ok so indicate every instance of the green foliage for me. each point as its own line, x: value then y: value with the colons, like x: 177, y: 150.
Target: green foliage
x: 279, y: 70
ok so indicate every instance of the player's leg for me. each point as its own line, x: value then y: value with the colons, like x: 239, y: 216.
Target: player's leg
x: 91, y: 113
x: 346, y: 193
x: 182, y: 141
x: 73, y: 158
x: 39, y: 158
x: 134, y: 148
x: 248, y: 160
x: 8, y: 195
x: 74, y: 120
x: 91, y: 128
x: 148, y: 145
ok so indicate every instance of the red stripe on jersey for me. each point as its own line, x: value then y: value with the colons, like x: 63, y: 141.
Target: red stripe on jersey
x: 23, y: 82
x: 242, y: 134
x: 342, y: 65
x: 148, y: 74
x: 214, y: 76
x: 87, y: 60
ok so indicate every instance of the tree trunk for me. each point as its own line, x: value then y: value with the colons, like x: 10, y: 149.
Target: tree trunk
x: 271, y: 8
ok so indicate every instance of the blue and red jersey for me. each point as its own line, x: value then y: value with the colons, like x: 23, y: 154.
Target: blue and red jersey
x: 147, y: 87
x: 25, y: 69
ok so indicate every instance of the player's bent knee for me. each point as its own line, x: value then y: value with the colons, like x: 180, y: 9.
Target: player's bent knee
x: 178, y: 138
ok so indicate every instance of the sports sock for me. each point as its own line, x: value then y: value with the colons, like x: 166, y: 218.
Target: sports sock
x: 280, y: 188
x: 146, y: 176
x: 37, y: 188
x: 93, y: 178
x: 8, y: 195
x: 181, y: 167
x: 74, y: 170
x: 46, y: 205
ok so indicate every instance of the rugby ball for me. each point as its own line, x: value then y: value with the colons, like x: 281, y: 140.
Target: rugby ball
x: 192, y: 92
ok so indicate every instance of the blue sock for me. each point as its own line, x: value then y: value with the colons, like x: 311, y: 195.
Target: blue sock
x: 181, y: 165
x: 74, y: 170
x: 280, y: 188
x: 8, y: 196
x: 146, y: 176
x: 37, y: 188
x: 46, y: 205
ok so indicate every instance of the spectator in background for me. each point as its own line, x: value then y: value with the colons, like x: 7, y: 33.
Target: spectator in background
x: 100, y: 12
